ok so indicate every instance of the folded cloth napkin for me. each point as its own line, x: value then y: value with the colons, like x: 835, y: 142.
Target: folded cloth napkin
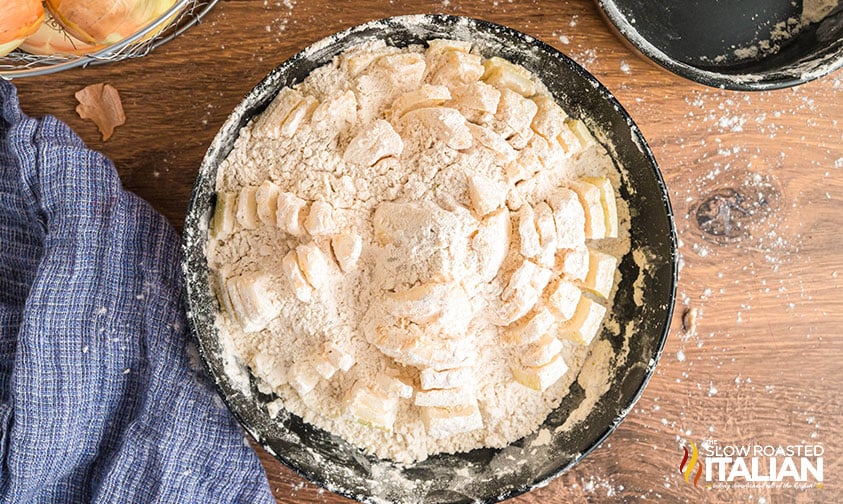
x: 101, y: 396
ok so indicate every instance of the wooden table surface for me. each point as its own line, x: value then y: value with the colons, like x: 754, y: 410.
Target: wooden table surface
x: 756, y: 181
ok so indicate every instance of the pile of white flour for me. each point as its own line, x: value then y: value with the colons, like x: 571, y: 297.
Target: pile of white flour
x: 332, y: 152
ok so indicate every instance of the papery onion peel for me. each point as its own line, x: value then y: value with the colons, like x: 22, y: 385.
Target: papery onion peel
x: 106, y: 21
x: 52, y: 39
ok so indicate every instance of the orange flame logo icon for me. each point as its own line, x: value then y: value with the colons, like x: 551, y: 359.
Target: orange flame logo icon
x: 686, y: 467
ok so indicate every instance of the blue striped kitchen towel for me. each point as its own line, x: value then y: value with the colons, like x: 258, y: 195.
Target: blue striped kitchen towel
x: 101, y: 396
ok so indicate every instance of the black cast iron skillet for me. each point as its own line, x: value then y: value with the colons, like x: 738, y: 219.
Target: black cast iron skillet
x: 482, y: 475
x: 697, y: 39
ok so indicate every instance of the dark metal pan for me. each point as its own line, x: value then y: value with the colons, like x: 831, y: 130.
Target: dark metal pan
x: 740, y: 45
x: 482, y: 475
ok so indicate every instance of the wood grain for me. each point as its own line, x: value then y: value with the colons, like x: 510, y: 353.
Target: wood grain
x: 756, y: 181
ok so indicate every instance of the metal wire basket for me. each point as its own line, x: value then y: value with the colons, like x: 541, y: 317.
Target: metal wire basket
x: 171, y: 24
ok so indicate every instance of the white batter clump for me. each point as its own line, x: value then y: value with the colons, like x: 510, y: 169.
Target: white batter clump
x: 414, y: 249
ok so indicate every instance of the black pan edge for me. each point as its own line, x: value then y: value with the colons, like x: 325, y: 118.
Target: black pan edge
x: 758, y: 75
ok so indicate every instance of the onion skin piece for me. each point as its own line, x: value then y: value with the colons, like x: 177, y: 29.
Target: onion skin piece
x: 18, y: 20
x: 100, y: 22
x: 101, y: 104
x: 52, y: 39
